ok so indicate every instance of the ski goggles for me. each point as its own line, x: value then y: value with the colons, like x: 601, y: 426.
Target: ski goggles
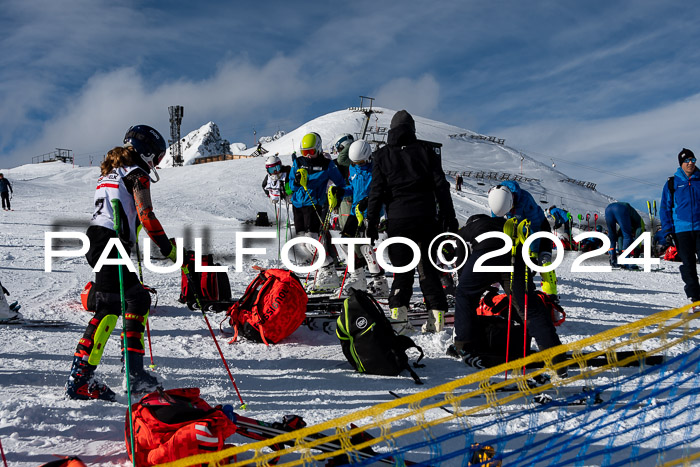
x: 274, y: 169
x: 308, y: 152
x: 689, y: 160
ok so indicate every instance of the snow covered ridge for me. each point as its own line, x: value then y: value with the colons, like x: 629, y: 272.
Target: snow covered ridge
x: 646, y: 261
x: 459, y: 154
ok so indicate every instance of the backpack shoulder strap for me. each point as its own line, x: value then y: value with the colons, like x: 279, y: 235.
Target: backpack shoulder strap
x: 403, y: 343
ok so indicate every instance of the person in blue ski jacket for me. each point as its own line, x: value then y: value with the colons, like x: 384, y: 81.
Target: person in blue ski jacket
x: 509, y: 200
x: 630, y: 225
x: 521, y: 205
x: 680, y: 219
x: 309, y: 179
x: 357, y: 189
x: 560, y: 216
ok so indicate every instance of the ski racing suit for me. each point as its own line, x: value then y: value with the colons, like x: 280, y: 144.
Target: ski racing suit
x: 126, y: 189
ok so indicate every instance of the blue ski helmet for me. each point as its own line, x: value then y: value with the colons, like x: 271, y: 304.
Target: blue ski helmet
x: 148, y: 144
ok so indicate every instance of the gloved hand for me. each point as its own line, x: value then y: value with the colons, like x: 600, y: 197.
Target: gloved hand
x: 670, y: 240
x: 172, y: 254
x: 362, y: 205
x: 333, y: 195
x: 359, y: 214
x: 301, y: 177
x: 372, y: 232
x: 509, y: 228
x: 451, y: 225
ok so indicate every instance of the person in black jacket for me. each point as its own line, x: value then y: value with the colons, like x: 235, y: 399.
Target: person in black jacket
x: 472, y: 285
x: 407, y: 178
x: 5, y: 190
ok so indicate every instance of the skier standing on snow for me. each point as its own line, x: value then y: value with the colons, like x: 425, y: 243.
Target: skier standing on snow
x: 680, y: 219
x: 509, y: 200
x: 276, y: 181
x: 5, y: 190
x: 472, y: 285
x: 631, y: 226
x: 125, y: 177
x: 341, y: 146
x: 458, y: 182
x: 360, y: 177
x: 312, y: 173
x: 407, y: 178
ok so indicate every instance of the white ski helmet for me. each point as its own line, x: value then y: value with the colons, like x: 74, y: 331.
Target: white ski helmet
x: 500, y: 200
x: 272, y: 161
x: 342, y: 141
x: 360, y: 151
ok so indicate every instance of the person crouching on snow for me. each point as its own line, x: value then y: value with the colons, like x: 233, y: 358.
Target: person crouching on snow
x: 125, y: 178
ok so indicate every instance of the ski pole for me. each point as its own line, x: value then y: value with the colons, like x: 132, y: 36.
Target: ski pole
x: 360, y: 218
x: 116, y: 209
x: 523, y: 233
x: 2, y: 452
x: 148, y: 326
x: 191, y: 285
x: 508, y: 229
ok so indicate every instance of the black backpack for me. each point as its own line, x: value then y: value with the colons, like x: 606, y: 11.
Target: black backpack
x: 369, y: 342
x: 209, y: 286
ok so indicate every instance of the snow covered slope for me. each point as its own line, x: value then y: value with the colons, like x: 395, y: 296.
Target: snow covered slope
x: 460, y: 153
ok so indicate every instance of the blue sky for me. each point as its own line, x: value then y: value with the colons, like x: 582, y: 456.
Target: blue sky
x: 608, y: 90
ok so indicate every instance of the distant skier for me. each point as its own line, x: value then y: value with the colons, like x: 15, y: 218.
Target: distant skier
x: 458, y: 182
x: 124, y: 182
x: 680, y: 219
x: 313, y: 171
x: 360, y: 177
x: 407, y: 178
x: 5, y: 192
x: 630, y: 225
x: 276, y: 181
x: 509, y: 200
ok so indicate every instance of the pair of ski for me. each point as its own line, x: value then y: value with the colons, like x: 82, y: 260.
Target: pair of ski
x: 258, y: 429
x: 642, y: 357
x: 35, y: 323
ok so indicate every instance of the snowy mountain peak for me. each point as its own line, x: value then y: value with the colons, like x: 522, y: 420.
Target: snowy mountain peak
x: 203, y: 142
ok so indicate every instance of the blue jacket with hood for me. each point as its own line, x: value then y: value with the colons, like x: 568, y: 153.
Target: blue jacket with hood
x: 321, y: 170
x: 525, y: 207
x: 684, y: 214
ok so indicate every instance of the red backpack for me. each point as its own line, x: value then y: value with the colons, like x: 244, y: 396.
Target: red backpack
x: 174, y: 424
x: 271, y: 308
x: 671, y: 254
x: 497, y: 305
x: 210, y: 286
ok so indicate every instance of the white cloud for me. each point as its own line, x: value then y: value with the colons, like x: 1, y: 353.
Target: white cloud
x: 641, y: 146
x: 418, y: 96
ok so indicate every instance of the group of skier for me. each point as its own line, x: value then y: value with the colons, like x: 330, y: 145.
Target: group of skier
x: 402, y: 181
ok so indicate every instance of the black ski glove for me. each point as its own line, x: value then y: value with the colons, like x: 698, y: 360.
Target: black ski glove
x: 372, y: 232
x: 452, y: 225
x: 362, y: 205
x: 670, y: 240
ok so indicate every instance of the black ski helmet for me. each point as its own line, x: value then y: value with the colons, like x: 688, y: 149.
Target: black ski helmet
x: 148, y: 144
